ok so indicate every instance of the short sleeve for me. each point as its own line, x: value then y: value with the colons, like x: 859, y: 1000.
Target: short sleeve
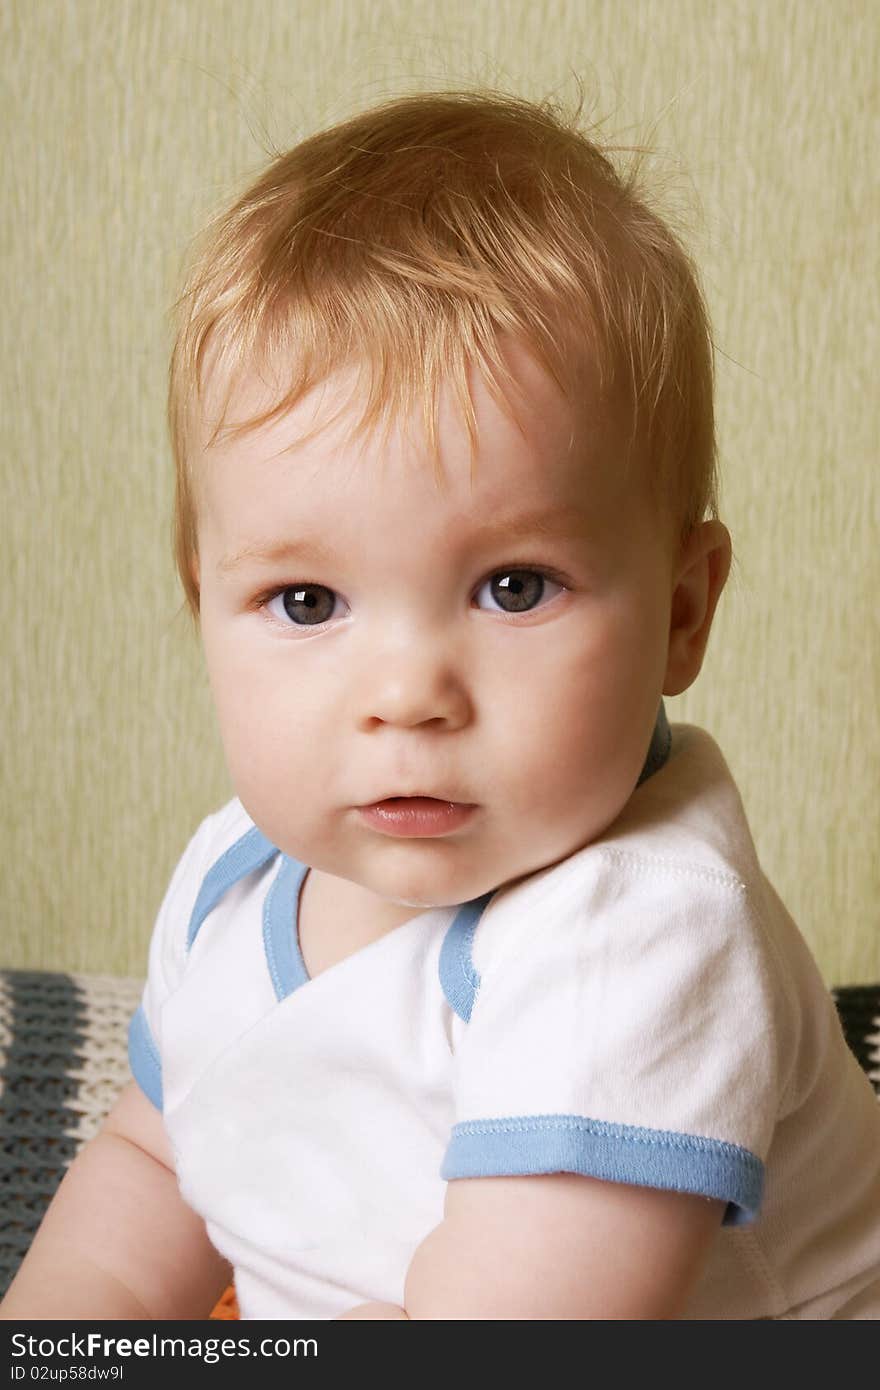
x: 167, y: 957
x: 624, y: 1028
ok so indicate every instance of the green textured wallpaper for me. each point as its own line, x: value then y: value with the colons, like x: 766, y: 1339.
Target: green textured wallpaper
x: 126, y: 120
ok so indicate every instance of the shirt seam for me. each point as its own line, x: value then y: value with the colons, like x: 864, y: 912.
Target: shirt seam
x: 678, y: 867
x: 634, y: 1134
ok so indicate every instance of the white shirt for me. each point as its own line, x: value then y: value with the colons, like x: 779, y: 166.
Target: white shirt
x: 645, y: 1011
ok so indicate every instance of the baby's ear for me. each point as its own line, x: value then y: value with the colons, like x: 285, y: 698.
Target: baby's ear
x: 703, y: 567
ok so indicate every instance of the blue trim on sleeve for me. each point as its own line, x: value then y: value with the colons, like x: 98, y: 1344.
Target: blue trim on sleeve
x: 250, y: 852
x: 281, y: 929
x: 458, y: 977
x: 144, y: 1059
x: 530, y: 1144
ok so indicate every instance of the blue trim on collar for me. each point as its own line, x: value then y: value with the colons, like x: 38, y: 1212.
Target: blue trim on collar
x: 250, y: 852
x: 528, y: 1144
x: 281, y: 929
x: 458, y: 977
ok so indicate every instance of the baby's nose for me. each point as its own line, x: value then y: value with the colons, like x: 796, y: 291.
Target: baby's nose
x: 420, y: 685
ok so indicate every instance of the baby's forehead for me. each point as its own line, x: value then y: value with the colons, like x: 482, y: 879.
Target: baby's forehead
x: 519, y: 394
x: 533, y: 448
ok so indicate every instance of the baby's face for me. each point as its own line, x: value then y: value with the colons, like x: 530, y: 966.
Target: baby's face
x: 368, y: 634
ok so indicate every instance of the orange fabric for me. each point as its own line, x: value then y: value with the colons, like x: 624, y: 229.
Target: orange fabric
x: 228, y: 1306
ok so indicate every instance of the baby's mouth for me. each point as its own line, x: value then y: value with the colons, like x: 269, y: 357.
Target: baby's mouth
x: 417, y: 815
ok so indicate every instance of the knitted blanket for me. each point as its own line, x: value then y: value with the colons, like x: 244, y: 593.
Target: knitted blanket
x: 64, y: 1059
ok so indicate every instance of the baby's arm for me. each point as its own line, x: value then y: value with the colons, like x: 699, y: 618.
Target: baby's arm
x: 561, y: 1246
x: 118, y: 1240
x: 557, y: 1247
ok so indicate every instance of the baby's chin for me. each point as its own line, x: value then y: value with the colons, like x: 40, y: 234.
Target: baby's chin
x: 419, y: 906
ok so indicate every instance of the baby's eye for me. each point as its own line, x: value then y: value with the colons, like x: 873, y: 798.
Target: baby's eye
x: 518, y: 590
x: 302, y: 605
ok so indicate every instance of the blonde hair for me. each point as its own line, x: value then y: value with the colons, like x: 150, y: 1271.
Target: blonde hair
x: 410, y: 238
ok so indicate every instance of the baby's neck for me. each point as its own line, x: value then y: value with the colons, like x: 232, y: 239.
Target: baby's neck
x: 338, y: 917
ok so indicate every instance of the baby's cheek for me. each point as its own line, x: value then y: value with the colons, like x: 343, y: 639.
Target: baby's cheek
x: 584, y: 777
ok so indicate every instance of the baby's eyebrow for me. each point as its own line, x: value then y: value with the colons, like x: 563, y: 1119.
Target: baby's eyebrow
x: 567, y: 523
x: 273, y: 552
x: 560, y: 523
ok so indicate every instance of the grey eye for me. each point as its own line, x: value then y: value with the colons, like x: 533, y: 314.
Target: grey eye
x: 517, y: 590
x: 306, y: 605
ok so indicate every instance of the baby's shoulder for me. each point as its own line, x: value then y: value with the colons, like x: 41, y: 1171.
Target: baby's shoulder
x: 687, y: 821
x: 212, y: 841
x: 677, y: 870
x: 225, y: 827
x: 207, y: 867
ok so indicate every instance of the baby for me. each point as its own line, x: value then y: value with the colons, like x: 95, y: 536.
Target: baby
x: 474, y: 1002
